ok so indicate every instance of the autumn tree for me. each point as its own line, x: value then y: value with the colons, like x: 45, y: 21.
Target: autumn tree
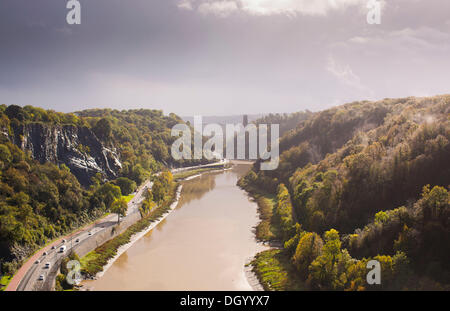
x: 119, y: 207
x: 308, y: 249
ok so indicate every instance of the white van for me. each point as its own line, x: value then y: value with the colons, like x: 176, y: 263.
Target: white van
x: 62, y: 249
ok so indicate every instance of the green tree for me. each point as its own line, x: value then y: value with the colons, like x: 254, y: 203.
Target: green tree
x: 308, y: 249
x: 158, y: 191
x: 138, y: 174
x: 5, y: 154
x: 108, y: 193
x: 15, y: 112
x: 323, y: 270
x: 103, y: 129
x: 119, y: 207
x: 127, y: 186
x: 148, y: 195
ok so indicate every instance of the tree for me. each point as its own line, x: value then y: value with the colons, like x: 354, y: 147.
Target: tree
x: 103, y: 129
x: 108, y: 193
x: 158, y: 191
x: 147, y: 206
x: 138, y: 174
x: 119, y: 207
x: 323, y: 270
x: 166, y: 178
x: 434, y: 202
x: 148, y: 195
x: 127, y: 186
x: 308, y: 249
x: 5, y: 154
x: 15, y: 112
x: 283, y: 212
x: 251, y: 177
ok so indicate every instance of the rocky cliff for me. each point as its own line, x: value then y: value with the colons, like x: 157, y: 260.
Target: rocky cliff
x: 76, y: 147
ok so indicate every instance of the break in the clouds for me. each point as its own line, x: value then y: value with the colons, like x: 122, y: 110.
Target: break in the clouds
x: 220, y: 56
x: 269, y: 7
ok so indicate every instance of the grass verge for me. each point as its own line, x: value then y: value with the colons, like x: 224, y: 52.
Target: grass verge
x: 4, y: 281
x: 128, y: 198
x: 276, y: 272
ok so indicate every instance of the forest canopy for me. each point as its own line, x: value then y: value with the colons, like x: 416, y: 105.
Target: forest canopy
x: 366, y: 180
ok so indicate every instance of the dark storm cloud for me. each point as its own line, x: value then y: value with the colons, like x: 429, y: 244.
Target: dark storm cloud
x: 153, y: 54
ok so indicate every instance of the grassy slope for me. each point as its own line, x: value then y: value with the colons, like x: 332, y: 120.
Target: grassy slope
x: 275, y: 271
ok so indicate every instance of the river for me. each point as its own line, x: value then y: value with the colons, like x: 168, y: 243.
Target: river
x: 202, y: 245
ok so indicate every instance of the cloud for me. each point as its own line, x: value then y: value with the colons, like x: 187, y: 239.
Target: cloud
x: 185, y: 5
x: 270, y: 7
x: 294, y: 7
x: 219, y: 8
x: 345, y: 75
x: 408, y: 40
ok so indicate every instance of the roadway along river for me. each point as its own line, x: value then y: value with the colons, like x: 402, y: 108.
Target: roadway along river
x: 202, y: 245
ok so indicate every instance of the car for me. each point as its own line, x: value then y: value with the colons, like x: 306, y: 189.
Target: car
x: 37, y: 261
x: 41, y: 277
x: 77, y: 240
x: 53, y: 247
x: 90, y: 233
x: 44, y: 254
x: 64, y: 241
x: 62, y: 249
x: 47, y: 265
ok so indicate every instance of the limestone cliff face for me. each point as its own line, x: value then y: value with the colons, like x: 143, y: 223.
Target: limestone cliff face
x: 77, y: 147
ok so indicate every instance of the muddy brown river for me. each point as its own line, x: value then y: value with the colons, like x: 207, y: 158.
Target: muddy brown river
x: 202, y: 245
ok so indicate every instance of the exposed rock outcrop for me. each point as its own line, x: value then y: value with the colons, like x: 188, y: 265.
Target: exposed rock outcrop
x: 77, y: 147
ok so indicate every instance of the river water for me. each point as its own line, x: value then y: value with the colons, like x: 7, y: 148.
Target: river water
x: 202, y: 245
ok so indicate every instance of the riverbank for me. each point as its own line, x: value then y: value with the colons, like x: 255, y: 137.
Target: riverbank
x: 266, y: 231
x: 272, y: 269
x: 275, y: 272
x: 101, y: 258
x: 96, y: 263
x: 252, y: 277
x: 266, y: 234
x: 133, y: 236
x: 204, y: 244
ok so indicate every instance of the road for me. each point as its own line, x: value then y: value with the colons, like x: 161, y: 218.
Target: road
x: 27, y: 277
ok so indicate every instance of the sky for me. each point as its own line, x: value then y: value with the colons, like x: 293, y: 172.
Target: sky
x: 221, y: 57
